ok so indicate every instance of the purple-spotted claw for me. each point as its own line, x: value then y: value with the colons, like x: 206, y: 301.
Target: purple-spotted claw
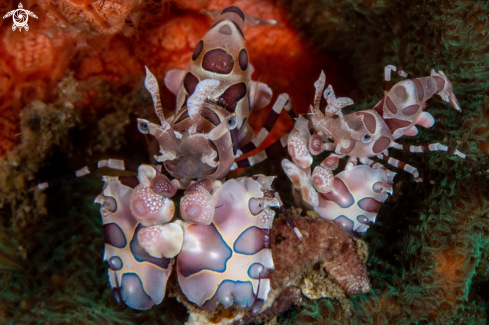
x: 322, y: 179
x: 316, y: 144
x: 197, y: 206
x: 150, y: 208
x: 298, y: 144
x: 161, y: 240
x: 160, y: 184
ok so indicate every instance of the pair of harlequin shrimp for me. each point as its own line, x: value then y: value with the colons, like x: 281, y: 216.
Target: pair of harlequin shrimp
x: 221, y: 246
x: 353, y: 197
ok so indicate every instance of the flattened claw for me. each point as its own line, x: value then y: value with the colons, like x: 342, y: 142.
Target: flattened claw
x: 161, y: 240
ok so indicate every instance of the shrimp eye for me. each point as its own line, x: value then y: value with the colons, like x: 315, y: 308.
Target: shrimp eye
x: 232, y: 122
x: 366, y: 138
x: 143, y: 126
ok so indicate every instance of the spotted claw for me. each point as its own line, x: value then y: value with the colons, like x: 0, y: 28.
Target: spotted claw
x: 197, y: 206
x: 161, y: 240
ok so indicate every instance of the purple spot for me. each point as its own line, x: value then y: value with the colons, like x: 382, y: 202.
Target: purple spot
x: 344, y: 223
x: 243, y: 59
x: 369, y: 204
x: 225, y: 30
x: 419, y: 89
x: 115, y: 263
x: 316, y: 144
x: 410, y: 110
x: 400, y: 91
x: 339, y: 194
x: 114, y: 235
x: 252, y: 240
x: 133, y: 294
x: 363, y: 219
x: 160, y: 184
x: 232, y: 95
x: 258, y: 271
x: 218, y: 61
x: 189, y: 83
x: 213, y: 251
x: 198, y: 50
x: 360, y: 230
x: 381, y: 144
x: 390, y: 105
x: 235, y: 10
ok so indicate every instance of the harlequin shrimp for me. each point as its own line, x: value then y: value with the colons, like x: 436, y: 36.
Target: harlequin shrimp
x: 215, y: 96
x: 370, y: 133
x: 353, y: 197
x: 221, y: 245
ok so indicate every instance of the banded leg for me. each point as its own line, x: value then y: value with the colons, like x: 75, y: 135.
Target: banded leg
x: 372, y: 164
x: 401, y: 165
x: 108, y: 163
x: 440, y: 147
x: 274, y: 148
x: 283, y: 101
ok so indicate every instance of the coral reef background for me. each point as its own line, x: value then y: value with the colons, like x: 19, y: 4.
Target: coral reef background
x: 71, y: 88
